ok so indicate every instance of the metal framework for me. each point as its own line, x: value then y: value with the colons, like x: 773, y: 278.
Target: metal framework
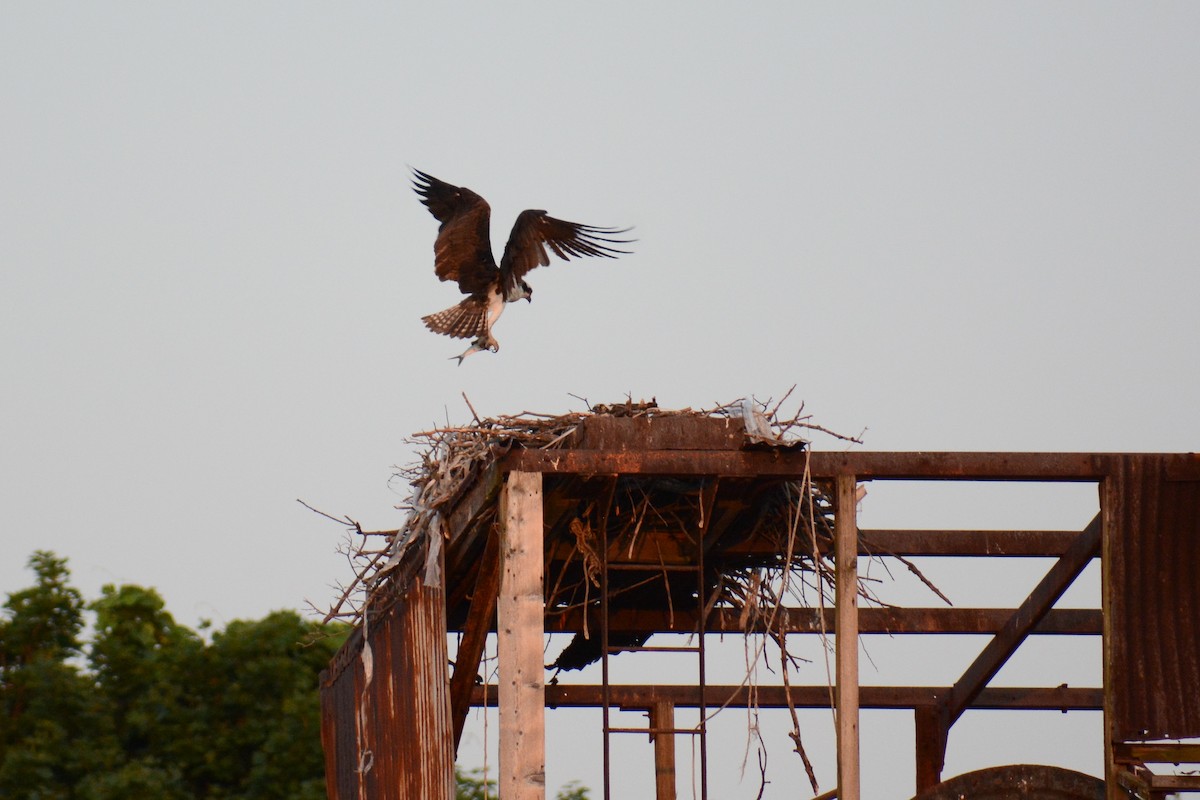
x: 1147, y: 534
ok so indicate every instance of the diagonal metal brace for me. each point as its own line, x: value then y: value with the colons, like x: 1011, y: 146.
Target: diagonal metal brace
x: 1078, y: 555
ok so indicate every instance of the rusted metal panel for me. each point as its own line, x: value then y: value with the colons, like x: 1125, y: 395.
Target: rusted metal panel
x: 820, y: 465
x: 338, y: 731
x: 386, y: 724
x: 1152, y: 600
x: 1032, y: 781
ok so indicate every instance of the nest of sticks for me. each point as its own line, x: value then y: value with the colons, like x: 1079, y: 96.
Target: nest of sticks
x: 794, y: 518
x: 451, y: 458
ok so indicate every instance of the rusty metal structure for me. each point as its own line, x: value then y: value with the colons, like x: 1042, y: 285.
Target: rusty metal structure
x: 523, y: 522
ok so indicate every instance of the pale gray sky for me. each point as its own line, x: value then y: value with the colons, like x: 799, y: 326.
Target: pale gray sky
x: 959, y: 226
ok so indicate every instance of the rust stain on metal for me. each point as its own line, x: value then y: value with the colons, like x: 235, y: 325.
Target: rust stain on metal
x: 386, y: 725
x: 634, y: 696
x: 820, y: 465
x: 883, y: 620
x: 1018, y: 780
x: 1152, y: 560
x: 659, y: 433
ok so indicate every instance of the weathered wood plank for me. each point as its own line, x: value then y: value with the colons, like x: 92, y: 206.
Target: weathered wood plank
x: 520, y: 612
x: 662, y: 717
x: 846, y: 642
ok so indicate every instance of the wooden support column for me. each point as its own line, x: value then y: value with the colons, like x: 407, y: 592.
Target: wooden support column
x: 662, y: 718
x: 520, y: 625
x: 846, y: 690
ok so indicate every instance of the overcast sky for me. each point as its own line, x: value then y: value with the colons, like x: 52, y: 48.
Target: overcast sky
x: 956, y: 226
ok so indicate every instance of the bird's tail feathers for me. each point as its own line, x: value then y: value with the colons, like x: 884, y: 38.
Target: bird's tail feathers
x: 466, y: 320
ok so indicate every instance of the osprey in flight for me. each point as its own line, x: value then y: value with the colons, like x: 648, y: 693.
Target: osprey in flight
x: 463, y: 253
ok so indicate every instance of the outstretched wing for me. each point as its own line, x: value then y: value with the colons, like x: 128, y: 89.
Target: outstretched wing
x: 463, y: 249
x: 535, y: 231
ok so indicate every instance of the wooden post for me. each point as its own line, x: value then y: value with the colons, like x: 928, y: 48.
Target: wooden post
x: 662, y: 717
x: 846, y: 597
x: 520, y: 625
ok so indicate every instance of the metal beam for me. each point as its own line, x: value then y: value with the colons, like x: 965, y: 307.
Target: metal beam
x: 1019, y: 625
x: 644, y: 696
x: 1157, y: 752
x: 884, y: 621
x: 1023, y: 620
x: 925, y: 543
x: 795, y: 463
x: 927, y: 726
x: 908, y: 543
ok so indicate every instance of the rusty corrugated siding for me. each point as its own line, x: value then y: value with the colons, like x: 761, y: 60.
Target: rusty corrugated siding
x: 1152, y: 600
x: 387, y: 732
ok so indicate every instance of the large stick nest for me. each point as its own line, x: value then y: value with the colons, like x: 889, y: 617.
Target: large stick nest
x: 452, y: 458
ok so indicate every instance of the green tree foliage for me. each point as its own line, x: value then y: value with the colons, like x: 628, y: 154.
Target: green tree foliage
x: 47, y: 705
x: 150, y: 709
x: 473, y: 785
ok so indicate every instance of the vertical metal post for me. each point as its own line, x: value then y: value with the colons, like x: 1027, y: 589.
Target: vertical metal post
x: 1112, y: 493
x: 520, y: 633
x: 929, y: 733
x: 702, y: 606
x: 846, y: 597
x: 606, y: 690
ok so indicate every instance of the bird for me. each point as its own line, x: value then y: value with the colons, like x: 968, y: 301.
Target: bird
x: 463, y: 253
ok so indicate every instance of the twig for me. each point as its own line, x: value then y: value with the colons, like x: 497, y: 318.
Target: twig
x: 775, y: 411
x: 468, y: 402
x: 343, y: 521
x: 762, y: 771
